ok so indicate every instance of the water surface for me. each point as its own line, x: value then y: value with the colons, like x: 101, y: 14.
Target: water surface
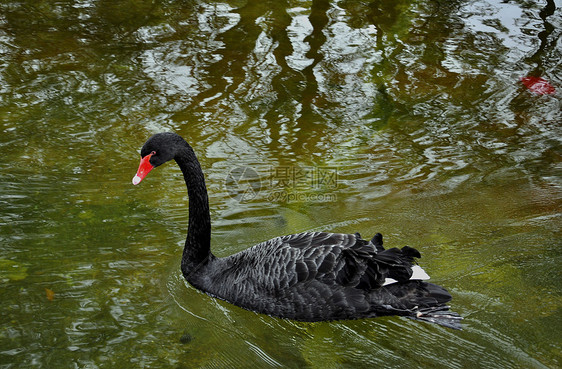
x: 406, y: 118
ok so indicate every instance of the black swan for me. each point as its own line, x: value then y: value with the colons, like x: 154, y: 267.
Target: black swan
x: 310, y: 276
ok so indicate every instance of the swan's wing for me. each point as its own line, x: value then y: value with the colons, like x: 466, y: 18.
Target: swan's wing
x: 313, y: 276
x: 338, y: 259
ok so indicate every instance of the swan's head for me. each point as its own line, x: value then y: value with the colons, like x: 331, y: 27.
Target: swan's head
x: 159, y: 149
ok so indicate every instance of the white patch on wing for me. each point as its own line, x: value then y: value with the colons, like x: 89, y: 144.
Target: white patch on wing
x: 417, y: 273
x: 389, y: 281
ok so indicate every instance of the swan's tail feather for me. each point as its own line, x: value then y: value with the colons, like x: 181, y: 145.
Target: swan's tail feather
x: 377, y: 242
x: 418, y: 300
x: 439, y: 315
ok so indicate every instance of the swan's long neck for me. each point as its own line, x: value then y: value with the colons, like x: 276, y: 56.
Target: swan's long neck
x: 197, y: 250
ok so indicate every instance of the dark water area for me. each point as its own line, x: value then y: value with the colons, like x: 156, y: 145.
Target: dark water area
x: 407, y: 118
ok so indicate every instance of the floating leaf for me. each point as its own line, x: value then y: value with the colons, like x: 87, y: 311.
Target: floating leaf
x: 50, y: 294
x: 538, y: 85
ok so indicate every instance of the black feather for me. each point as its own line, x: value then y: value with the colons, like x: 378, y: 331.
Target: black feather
x: 377, y: 242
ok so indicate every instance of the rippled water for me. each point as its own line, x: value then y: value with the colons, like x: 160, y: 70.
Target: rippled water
x: 406, y: 118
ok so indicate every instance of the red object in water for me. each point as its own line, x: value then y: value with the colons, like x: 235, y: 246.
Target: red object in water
x: 538, y: 85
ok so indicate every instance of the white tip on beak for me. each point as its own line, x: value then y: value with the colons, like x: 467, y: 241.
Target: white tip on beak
x: 136, y: 180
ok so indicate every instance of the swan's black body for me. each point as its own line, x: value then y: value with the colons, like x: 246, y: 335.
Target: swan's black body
x: 309, y: 276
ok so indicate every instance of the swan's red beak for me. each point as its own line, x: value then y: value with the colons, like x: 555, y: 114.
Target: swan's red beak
x: 144, y: 168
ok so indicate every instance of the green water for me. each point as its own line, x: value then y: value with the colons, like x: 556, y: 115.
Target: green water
x: 401, y: 117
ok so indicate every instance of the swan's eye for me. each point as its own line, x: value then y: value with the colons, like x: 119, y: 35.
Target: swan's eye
x: 153, y: 153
